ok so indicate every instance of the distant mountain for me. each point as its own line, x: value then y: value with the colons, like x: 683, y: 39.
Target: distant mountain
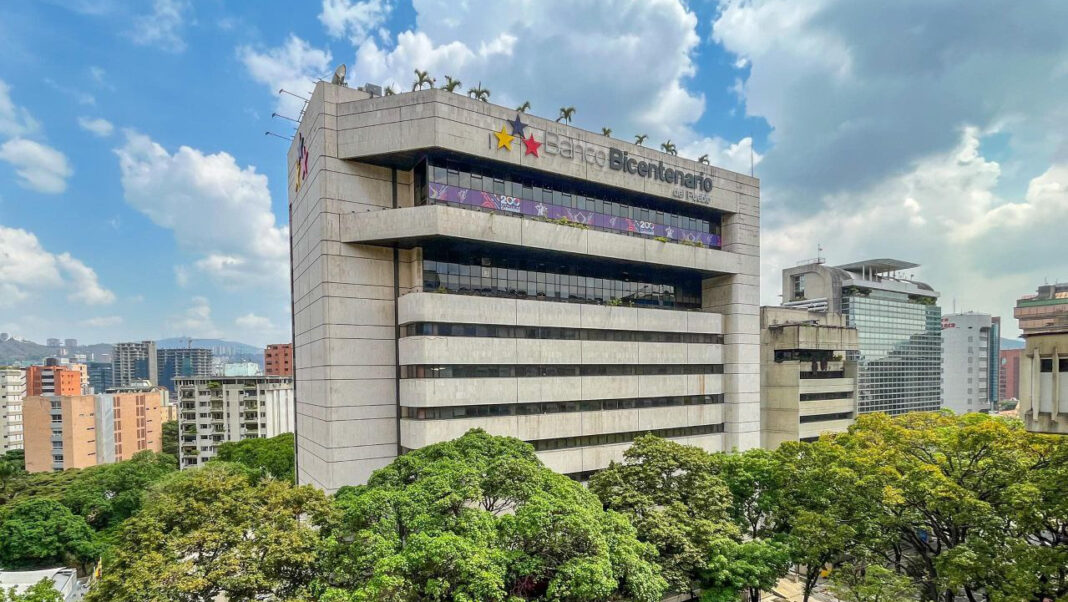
x: 1012, y: 344
x: 14, y: 352
x: 233, y: 350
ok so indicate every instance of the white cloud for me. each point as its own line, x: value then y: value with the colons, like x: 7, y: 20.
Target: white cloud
x: 195, y: 320
x: 251, y: 321
x: 27, y: 269
x: 216, y: 209
x: 39, y: 167
x: 736, y: 156
x: 355, y: 19
x: 103, y: 322
x: 294, y: 66
x: 14, y: 120
x: 99, y: 127
x: 976, y: 247
x: 163, y: 26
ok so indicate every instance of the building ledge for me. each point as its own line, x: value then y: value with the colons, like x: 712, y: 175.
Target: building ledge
x: 408, y: 226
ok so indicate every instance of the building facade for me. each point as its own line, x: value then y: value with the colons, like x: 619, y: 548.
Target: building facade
x: 79, y: 431
x: 182, y: 363
x: 100, y: 379
x: 278, y: 359
x: 993, y: 360
x: 966, y: 341
x: 1009, y: 374
x: 131, y: 362
x: 218, y: 409
x: 898, y: 322
x: 459, y: 265
x: 12, y: 394
x: 241, y: 369
x: 1043, y: 319
x: 53, y: 380
x: 807, y: 384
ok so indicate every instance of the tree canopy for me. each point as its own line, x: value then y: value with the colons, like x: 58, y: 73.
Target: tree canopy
x: 35, y: 533
x: 42, y: 591
x: 273, y: 457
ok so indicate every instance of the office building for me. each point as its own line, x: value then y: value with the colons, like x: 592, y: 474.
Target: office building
x: 182, y: 363
x: 1043, y: 319
x: 53, y: 380
x: 459, y: 265
x: 993, y: 359
x: 898, y: 322
x: 99, y: 376
x: 70, y: 344
x: 807, y: 384
x: 12, y: 394
x: 78, y: 431
x: 134, y: 361
x: 217, y: 409
x: 1009, y: 374
x: 54, y: 343
x: 966, y: 341
x: 278, y: 359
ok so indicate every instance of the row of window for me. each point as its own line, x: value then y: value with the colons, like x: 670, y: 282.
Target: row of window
x: 556, y: 407
x: 616, y: 438
x: 823, y: 396
x: 532, y: 370
x: 826, y: 417
x: 823, y: 374
x: 445, y: 329
x: 803, y: 355
x: 562, y: 196
x: 1046, y: 365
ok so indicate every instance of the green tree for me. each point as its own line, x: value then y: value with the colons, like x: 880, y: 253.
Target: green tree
x: 42, y: 591
x: 210, y: 532
x: 479, y: 93
x: 480, y: 518
x: 273, y: 456
x: 755, y: 479
x: 669, y: 147
x: 523, y: 108
x: 566, y: 113
x: 38, y: 532
x: 451, y: 84
x: 170, y: 437
x: 108, y: 494
x: 676, y: 501
x: 749, y: 567
x: 870, y: 583
x: 639, y: 139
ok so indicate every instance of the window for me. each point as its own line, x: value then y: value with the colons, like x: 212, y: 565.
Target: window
x: 798, y: 285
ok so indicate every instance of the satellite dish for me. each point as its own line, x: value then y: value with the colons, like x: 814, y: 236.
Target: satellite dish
x: 339, y: 75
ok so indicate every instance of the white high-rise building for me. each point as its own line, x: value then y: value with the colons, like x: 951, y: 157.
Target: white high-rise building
x: 218, y: 409
x: 966, y: 362
x: 12, y: 394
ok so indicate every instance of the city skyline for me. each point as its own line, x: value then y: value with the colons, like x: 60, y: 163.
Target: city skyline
x: 139, y: 197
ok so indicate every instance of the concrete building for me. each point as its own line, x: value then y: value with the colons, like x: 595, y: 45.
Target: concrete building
x: 1009, y: 375
x: 218, y: 409
x: 12, y: 394
x: 70, y: 343
x: 241, y: 369
x: 966, y: 341
x: 134, y: 361
x: 54, y: 343
x: 807, y: 386
x: 459, y: 265
x: 78, y: 431
x: 278, y: 359
x: 183, y: 362
x: 898, y: 322
x: 64, y: 580
x: 1043, y: 319
x: 54, y: 380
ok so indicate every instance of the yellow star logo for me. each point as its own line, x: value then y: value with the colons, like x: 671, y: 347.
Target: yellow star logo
x: 504, y: 139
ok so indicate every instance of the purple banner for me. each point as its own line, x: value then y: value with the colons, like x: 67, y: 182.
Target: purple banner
x: 509, y: 204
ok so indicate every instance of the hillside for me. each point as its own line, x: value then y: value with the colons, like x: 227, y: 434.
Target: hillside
x: 28, y: 352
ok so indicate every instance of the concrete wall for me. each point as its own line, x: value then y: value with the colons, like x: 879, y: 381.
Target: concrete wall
x: 1044, y: 395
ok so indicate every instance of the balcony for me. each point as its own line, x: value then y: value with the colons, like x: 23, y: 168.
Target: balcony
x: 408, y: 226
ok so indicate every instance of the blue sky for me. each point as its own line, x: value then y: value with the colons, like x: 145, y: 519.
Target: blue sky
x: 140, y: 198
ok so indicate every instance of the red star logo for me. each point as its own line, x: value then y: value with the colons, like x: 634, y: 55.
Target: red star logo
x: 532, y: 145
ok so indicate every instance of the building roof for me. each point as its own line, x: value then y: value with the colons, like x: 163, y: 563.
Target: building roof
x: 878, y: 266
x: 62, y: 578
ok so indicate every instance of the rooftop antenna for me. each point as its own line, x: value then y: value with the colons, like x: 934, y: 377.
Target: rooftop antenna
x: 269, y: 133
x: 339, y: 75
x: 819, y: 252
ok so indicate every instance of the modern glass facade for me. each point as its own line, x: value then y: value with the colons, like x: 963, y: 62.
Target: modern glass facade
x: 899, y: 363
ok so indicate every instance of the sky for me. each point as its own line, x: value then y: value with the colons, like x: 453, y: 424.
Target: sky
x: 141, y: 198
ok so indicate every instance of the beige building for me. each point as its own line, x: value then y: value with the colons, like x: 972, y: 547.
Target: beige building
x: 1043, y: 318
x: 12, y: 393
x: 808, y: 387
x: 217, y: 409
x: 78, y: 431
x: 459, y: 265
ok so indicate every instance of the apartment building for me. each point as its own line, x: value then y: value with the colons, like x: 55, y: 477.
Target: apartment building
x: 12, y: 394
x: 278, y: 360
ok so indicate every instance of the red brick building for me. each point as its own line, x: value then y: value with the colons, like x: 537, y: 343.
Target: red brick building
x: 278, y: 360
x: 1010, y: 374
x: 53, y: 380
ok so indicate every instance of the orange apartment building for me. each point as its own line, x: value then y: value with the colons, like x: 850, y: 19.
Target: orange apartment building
x: 53, y: 380
x: 78, y: 431
x: 278, y: 360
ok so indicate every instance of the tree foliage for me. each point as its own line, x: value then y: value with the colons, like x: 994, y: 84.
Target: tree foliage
x: 480, y: 518
x: 36, y: 533
x: 42, y: 591
x: 169, y: 434
x: 273, y: 457
x: 214, y: 531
